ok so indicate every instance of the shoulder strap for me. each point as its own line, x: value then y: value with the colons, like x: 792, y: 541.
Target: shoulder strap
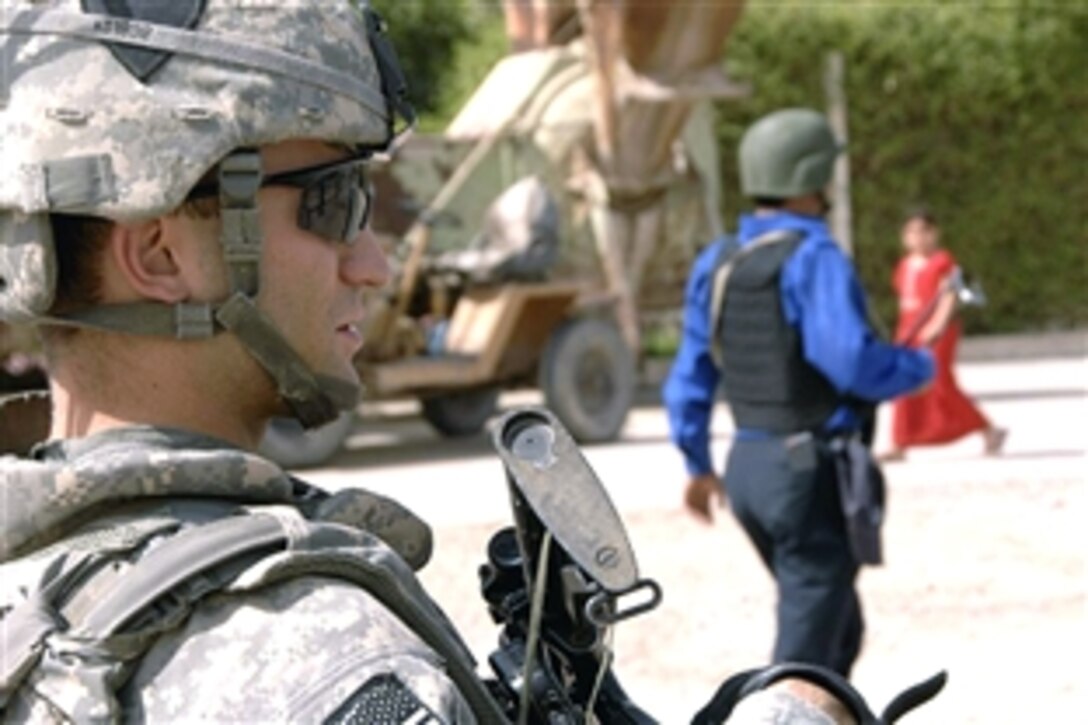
x: 99, y: 609
x: 732, y: 254
x: 89, y: 589
x: 111, y: 599
x: 66, y: 569
x: 25, y: 628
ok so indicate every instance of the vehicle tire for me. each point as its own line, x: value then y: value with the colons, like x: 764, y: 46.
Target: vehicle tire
x: 460, y: 414
x: 289, y: 445
x: 587, y: 374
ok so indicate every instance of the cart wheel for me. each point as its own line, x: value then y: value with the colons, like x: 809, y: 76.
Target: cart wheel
x: 587, y: 374
x: 460, y: 414
x: 289, y: 445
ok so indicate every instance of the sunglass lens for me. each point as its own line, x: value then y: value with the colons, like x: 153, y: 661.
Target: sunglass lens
x: 335, y: 206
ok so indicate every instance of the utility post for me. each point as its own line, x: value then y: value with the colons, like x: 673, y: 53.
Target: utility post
x: 835, y: 91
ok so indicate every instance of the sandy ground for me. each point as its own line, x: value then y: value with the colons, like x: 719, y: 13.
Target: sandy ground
x: 985, y: 573
x: 981, y: 580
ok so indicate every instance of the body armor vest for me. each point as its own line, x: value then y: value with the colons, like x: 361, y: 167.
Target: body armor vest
x: 768, y: 384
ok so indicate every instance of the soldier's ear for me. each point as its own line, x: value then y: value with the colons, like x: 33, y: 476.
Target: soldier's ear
x: 145, y: 264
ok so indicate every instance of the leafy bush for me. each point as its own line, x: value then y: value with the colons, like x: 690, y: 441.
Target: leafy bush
x: 977, y: 110
x: 427, y: 35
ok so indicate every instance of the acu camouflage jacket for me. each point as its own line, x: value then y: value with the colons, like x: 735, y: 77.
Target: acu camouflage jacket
x: 151, y: 574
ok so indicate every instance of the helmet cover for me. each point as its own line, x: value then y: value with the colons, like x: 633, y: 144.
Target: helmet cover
x: 117, y: 109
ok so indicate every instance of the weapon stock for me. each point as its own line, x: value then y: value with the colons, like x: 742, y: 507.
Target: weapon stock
x: 555, y: 581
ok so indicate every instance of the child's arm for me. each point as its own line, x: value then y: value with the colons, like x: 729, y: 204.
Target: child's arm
x: 938, y: 321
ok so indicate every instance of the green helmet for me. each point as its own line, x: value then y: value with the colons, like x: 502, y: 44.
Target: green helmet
x: 787, y: 153
x: 116, y: 109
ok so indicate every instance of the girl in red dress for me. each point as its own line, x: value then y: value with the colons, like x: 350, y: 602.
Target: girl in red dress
x: 940, y: 413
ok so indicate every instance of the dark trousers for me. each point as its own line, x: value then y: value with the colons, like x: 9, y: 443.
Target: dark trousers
x: 787, y: 499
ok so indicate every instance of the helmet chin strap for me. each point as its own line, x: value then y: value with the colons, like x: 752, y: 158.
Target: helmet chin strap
x: 312, y: 398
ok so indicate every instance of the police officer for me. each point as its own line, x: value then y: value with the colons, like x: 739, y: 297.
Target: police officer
x: 777, y: 315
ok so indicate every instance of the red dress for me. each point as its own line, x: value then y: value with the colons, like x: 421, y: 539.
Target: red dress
x: 941, y: 413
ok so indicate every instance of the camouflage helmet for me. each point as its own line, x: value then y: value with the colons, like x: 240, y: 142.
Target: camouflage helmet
x: 787, y: 153
x: 120, y: 117
x: 117, y: 108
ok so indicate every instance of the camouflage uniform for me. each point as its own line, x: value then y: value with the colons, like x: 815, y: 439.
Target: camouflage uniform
x: 262, y: 648
x: 114, y: 603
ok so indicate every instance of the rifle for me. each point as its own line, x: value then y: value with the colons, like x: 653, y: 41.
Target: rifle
x: 559, y: 581
x: 565, y: 574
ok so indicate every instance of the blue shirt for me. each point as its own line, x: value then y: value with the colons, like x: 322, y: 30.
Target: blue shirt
x: 823, y: 299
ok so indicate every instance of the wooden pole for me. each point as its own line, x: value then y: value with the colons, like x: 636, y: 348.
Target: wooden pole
x: 841, y: 220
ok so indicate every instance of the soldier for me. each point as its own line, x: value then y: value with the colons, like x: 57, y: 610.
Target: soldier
x: 183, y: 209
x: 781, y: 322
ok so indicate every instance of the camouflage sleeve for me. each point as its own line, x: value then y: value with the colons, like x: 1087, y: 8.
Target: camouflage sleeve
x: 778, y: 707
x: 310, y: 649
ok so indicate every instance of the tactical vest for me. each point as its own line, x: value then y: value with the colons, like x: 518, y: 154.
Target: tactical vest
x: 767, y: 382
x: 94, y: 599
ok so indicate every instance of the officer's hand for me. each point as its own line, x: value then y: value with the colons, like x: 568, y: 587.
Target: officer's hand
x: 701, y: 492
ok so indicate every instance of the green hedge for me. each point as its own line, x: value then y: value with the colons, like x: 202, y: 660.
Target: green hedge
x: 979, y: 111
x: 446, y: 48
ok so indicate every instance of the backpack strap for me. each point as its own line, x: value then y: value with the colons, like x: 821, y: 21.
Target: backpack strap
x: 25, y: 627
x: 732, y: 254
x: 114, y: 597
x: 72, y: 638
x: 75, y: 636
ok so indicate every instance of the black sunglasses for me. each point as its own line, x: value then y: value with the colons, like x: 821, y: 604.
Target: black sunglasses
x: 336, y: 197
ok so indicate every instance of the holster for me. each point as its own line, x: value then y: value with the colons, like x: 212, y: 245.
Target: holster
x: 862, y: 491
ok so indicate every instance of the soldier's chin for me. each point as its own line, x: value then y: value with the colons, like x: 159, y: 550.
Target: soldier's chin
x: 342, y: 386
x: 341, y: 373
